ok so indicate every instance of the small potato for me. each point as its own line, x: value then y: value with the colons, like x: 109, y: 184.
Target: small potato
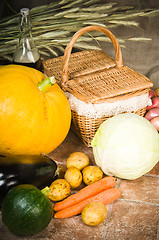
x: 92, y: 174
x: 78, y: 160
x: 59, y: 190
x: 94, y: 213
x: 73, y: 176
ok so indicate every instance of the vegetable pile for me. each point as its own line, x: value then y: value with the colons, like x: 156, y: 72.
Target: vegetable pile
x: 152, y: 113
x: 27, y: 210
x: 35, y: 118
x: 102, y: 191
x: 99, y: 189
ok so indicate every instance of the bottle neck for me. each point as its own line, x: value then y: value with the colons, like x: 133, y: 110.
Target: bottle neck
x: 25, y: 26
x: 25, y: 38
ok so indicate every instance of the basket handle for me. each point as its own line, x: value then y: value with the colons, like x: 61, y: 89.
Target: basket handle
x: 68, y: 50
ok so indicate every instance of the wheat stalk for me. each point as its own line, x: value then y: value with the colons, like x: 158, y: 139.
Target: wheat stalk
x: 55, y: 23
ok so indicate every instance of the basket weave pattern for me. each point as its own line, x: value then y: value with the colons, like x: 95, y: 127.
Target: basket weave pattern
x: 81, y: 63
x: 108, y: 85
x: 86, y: 127
x: 94, y: 77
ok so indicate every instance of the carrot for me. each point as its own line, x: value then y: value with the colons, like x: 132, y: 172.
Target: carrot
x: 86, y: 192
x: 105, y: 197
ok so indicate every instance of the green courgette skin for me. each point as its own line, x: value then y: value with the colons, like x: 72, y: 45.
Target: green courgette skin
x: 26, y: 210
x: 39, y: 171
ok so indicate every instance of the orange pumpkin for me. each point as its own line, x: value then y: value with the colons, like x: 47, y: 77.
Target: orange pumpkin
x: 31, y: 121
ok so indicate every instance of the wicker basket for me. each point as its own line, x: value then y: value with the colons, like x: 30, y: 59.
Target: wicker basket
x: 94, y: 77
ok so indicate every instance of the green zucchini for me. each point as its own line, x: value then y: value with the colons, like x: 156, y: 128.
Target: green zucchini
x: 26, y: 210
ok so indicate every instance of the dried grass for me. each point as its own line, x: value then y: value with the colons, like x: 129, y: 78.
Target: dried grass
x: 55, y: 23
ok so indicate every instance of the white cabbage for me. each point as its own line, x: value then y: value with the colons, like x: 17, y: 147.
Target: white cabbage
x: 126, y: 146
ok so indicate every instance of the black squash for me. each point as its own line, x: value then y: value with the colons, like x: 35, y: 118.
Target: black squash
x: 39, y: 171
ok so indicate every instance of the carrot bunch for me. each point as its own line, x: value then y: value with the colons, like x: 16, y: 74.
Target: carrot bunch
x: 102, y: 190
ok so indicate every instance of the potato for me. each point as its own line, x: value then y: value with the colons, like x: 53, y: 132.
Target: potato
x: 94, y: 213
x: 73, y: 176
x: 92, y: 174
x: 59, y: 190
x: 157, y: 91
x: 78, y: 160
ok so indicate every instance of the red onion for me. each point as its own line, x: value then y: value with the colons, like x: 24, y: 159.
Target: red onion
x: 155, y: 103
x: 155, y: 122
x: 151, y: 93
x: 154, y: 112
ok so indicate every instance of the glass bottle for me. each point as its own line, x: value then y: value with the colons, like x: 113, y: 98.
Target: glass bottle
x: 26, y: 52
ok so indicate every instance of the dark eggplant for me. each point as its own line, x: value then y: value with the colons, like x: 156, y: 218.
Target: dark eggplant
x: 39, y: 171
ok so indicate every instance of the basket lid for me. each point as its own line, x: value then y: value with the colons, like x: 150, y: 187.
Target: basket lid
x: 108, y: 85
x: 80, y: 63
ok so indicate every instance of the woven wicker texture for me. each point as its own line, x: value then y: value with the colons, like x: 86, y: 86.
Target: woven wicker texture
x: 108, y: 85
x: 80, y: 63
x: 86, y: 127
x: 94, y: 77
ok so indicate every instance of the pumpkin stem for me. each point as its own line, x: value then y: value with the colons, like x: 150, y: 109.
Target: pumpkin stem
x: 46, y: 84
x: 46, y: 191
